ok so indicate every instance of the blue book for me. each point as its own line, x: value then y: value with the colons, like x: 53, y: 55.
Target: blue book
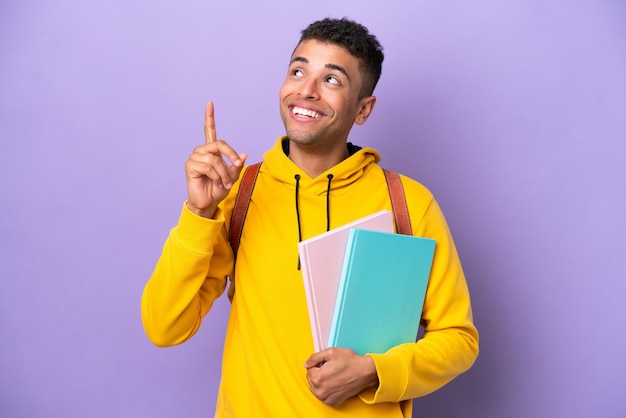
x: 381, y: 290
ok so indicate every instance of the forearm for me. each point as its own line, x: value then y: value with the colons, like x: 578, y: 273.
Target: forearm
x: 449, y: 346
x: 189, y: 276
x: 417, y: 369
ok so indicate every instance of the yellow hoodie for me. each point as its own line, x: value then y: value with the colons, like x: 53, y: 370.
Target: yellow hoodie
x: 269, y: 336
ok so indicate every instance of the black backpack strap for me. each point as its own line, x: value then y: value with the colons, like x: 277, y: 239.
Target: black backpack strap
x: 242, y: 201
x: 398, y: 203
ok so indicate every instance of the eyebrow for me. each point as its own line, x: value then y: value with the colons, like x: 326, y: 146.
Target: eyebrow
x: 329, y: 66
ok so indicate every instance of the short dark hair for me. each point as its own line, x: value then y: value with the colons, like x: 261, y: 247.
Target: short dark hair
x: 357, y: 39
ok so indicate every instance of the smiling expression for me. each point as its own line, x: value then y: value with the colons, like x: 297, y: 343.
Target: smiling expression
x: 319, y: 99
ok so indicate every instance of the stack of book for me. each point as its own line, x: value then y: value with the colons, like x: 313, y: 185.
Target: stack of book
x: 365, y: 285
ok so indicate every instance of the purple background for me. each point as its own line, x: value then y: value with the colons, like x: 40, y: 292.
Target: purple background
x: 512, y: 112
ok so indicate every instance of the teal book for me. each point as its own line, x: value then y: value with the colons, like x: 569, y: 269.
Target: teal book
x: 381, y: 290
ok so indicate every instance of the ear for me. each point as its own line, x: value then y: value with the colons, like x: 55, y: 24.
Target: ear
x: 366, y: 106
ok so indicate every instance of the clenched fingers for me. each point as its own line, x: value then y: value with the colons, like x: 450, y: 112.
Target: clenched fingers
x: 211, y: 160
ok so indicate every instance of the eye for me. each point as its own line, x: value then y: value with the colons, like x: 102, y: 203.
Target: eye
x: 297, y: 73
x: 332, y: 79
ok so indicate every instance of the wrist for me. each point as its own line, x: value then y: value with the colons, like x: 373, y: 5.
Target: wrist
x: 208, y: 212
x: 371, y: 375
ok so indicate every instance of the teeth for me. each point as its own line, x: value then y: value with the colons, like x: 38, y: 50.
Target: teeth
x: 306, y: 112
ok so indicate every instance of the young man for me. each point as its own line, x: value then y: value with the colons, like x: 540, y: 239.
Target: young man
x: 311, y: 180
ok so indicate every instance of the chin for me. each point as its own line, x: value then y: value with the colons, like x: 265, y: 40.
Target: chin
x: 300, y: 137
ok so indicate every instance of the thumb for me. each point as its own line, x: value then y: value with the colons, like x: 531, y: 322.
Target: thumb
x: 317, y: 359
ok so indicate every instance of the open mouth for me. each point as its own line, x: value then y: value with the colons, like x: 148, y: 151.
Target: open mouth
x: 298, y: 111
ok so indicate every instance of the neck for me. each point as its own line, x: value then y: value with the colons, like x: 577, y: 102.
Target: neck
x: 314, y: 162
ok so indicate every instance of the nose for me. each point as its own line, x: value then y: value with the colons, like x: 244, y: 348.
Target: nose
x: 309, y: 89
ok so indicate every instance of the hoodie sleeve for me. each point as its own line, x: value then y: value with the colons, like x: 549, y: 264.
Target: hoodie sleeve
x: 190, y: 274
x: 449, y: 346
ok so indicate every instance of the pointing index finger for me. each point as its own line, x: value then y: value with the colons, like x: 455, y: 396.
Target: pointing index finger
x: 209, y: 123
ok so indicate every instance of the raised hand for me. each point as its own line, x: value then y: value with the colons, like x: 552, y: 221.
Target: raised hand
x: 209, y: 174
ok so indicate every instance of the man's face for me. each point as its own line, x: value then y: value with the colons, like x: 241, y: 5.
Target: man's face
x: 319, y: 99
